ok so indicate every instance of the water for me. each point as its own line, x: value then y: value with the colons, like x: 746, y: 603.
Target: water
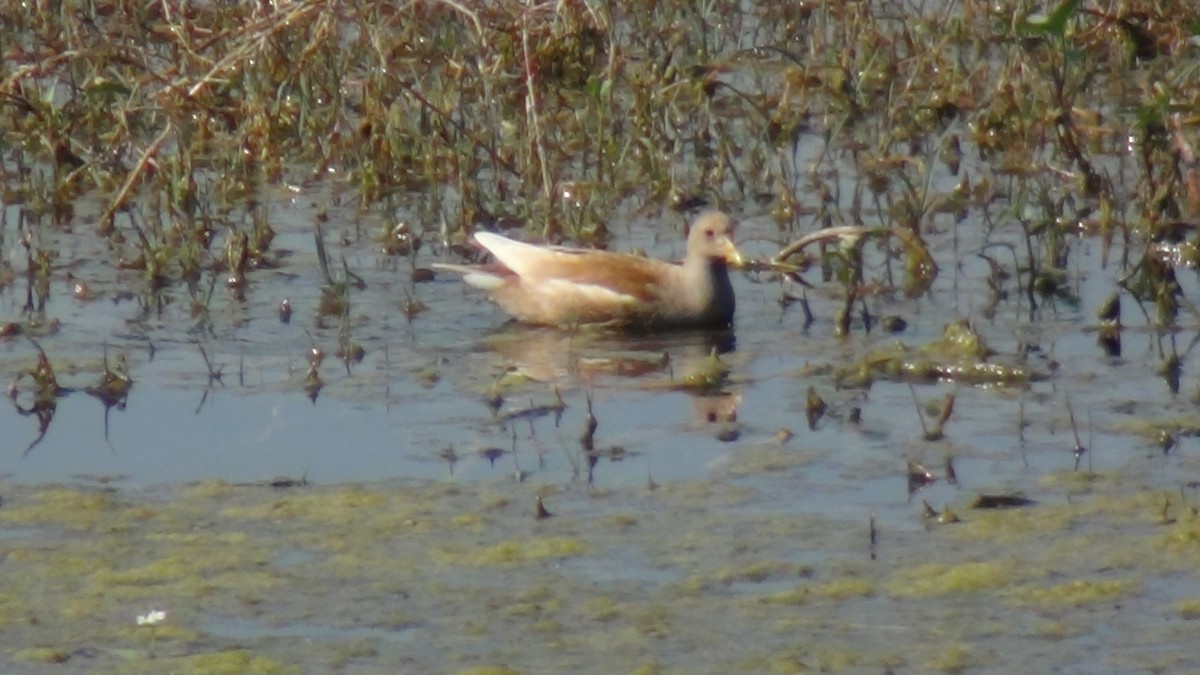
x: 418, y: 399
x: 408, y: 534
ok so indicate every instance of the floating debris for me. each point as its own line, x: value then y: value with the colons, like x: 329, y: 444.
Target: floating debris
x: 587, y: 438
x: 1110, y: 311
x: 947, y: 516
x: 542, y: 513
x: 729, y: 435
x: 959, y: 355
x: 874, y: 535
x: 492, y: 454
x: 399, y: 240
x: 450, y: 456
x: 1164, y: 514
x: 1079, y: 450
x: 951, y: 474
x: 284, y: 483
x: 614, y: 453
x: 814, y: 408
x: 927, y: 510
x: 154, y: 616
x: 710, y: 375
x: 45, y: 383
x: 1000, y: 502
x: 1165, y: 441
x: 532, y: 412
x: 312, y: 379
x: 624, y: 365
x: 935, y: 433
x: 114, y: 384
x: 918, y: 477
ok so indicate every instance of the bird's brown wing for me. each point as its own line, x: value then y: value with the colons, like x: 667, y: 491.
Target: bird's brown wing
x: 634, y: 276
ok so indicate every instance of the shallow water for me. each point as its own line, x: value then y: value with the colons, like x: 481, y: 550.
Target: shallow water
x: 750, y: 554
x: 420, y: 394
x: 389, y: 524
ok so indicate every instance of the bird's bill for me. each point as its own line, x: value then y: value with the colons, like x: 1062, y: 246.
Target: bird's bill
x: 729, y: 252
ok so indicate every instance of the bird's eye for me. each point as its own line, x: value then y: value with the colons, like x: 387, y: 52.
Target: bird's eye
x: 709, y: 234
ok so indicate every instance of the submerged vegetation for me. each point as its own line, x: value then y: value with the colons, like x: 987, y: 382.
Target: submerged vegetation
x: 444, y: 578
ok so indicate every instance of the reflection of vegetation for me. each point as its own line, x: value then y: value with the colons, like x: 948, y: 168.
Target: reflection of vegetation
x: 40, y: 398
x: 45, y: 392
